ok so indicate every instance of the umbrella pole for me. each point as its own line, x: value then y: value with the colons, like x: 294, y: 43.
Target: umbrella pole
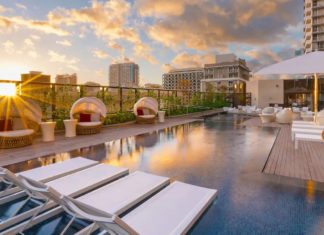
x: 315, y: 95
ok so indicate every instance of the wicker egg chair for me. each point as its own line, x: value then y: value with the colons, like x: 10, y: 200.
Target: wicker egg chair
x: 24, y: 115
x: 145, y: 110
x: 88, y: 105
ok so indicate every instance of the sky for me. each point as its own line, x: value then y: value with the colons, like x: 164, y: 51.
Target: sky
x: 85, y: 37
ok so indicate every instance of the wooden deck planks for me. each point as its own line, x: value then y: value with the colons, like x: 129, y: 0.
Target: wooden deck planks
x: 305, y: 163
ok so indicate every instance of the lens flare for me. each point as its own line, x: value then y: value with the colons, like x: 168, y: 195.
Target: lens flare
x: 8, y: 89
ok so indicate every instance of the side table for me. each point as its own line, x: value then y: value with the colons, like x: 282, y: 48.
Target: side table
x: 48, y: 131
x: 161, y: 115
x: 70, y: 127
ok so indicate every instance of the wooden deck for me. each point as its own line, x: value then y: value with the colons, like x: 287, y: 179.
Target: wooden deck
x: 63, y: 144
x: 305, y: 163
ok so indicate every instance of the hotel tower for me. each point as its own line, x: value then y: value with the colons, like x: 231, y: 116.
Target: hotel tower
x: 313, y: 25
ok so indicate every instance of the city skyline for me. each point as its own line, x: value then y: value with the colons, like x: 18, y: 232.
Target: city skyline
x: 85, y: 37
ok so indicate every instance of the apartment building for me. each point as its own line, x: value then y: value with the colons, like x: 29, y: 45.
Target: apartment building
x: 228, y: 75
x: 124, y: 74
x: 313, y: 25
x: 183, y: 79
x: 71, y: 79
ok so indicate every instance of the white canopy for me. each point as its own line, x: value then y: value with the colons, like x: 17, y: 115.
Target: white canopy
x: 88, y: 104
x: 20, y: 107
x: 147, y: 102
x: 308, y: 64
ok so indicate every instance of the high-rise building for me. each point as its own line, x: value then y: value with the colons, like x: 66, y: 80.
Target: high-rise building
x: 32, y: 84
x: 228, y: 75
x: 124, y: 74
x: 183, y: 79
x: 313, y: 25
x: 35, y: 76
x: 71, y: 79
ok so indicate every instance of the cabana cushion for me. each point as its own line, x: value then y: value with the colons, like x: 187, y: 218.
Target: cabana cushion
x: 18, y: 124
x: 6, y: 125
x: 85, y: 117
x: 89, y: 123
x: 148, y: 116
x: 95, y: 117
x: 17, y: 133
x: 140, y: 112
x: 146, y: 112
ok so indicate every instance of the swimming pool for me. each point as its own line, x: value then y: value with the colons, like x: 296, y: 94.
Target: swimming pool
x: 217, y: 153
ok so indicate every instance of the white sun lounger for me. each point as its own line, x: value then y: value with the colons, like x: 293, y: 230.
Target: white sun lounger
x: 303, y: 123
x: 307, y: 137
x: 307, y: 126
x: 295, y: 131
x: 174, y: 210
x: 116, y: 197
x: 51, y: 172
x: 73, y: 185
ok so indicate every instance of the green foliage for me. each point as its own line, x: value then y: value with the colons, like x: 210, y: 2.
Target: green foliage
x: 119, y: 117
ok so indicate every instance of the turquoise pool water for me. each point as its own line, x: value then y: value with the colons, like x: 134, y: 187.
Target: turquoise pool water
x: 217, y: 153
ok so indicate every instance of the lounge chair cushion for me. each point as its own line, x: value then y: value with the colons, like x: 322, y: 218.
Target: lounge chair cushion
x: 172, y: 211
x: 6, y: 125
x: 16, y: 133
x: 119, y: 196
x: 148, y: 116
x: 85, y: 117
x: 89, y: 123
x: 146, y: 112
x: 18, y: 124
x: 95, y: 117
x: 140, y: 112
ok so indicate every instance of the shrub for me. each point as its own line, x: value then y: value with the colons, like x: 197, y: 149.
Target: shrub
x: 119, y: 117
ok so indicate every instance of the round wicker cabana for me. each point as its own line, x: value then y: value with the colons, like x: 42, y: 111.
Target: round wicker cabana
x: 25, y: 115
x: 145, y: 110
x: 92, y: 106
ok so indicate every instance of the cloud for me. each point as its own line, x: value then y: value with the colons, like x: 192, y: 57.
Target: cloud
x: 167, y: 67
x: 108, y: 20
x: 21, y: 6
x: 65, y: 43
x: 99, y: 54
x: 184, y: 60
x: 144, y: 51
x: 4, y: 9
x: 209, y: 25
x: 258, y: 58
x: 100, y: 73
x: 116, y: 46
x: 29, y: 42
x: 61, y: 58
x: 35, y: 37
x: 165, y: 8
x: 33, y: 54
x: 9, y: 47
x: 42, y: 26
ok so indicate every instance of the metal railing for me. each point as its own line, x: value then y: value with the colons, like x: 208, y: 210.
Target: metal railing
x: 57, y: 99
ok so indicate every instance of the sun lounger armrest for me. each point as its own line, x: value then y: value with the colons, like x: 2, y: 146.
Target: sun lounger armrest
x: 105, y: 220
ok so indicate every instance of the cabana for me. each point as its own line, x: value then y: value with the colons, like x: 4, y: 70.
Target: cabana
x: 145, y: 110
x: 19, y: 121
x: 268, y: 115
x: 284, y: 116
x: 91, y: 113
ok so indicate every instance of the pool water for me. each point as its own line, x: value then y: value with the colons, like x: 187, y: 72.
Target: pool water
x: 217, y: 153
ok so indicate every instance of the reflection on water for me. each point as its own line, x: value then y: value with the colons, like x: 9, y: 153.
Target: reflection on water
x: 152, y: 150
x: 217, y: 153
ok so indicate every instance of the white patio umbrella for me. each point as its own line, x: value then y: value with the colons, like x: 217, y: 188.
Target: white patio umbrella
x: 308, y: 64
